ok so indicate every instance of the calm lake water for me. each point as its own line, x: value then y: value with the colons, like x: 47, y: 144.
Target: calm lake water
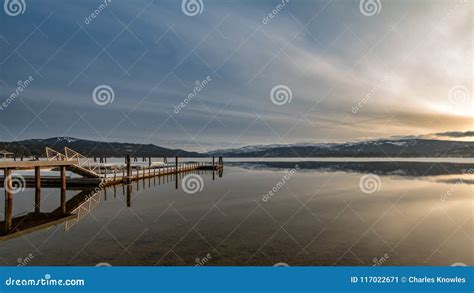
x: 264, y: 213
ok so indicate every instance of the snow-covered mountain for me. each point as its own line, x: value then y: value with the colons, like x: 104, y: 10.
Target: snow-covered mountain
x: 392, y: 147
x: 412, y: 147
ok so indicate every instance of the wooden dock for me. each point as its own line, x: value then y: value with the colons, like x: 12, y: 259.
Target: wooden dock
x: 95, y: 174
x: 92, y: 176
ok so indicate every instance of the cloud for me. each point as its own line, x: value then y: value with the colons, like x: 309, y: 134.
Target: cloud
x: 151, y: 54
x: 456, y: 134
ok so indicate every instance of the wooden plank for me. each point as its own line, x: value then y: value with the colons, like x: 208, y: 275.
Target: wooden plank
x: 33, y: 164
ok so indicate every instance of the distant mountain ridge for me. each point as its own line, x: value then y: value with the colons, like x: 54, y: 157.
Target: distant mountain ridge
x: 413, y: 147
x: 90, y: 148
x: 400, y: 147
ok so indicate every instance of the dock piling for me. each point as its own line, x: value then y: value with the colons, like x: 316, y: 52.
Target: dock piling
x: 63, y: 188
x: 8, y: 200
x: 37, y: 189
x: 129, y: 169
x: 129, y: 193
x: 176, y: 172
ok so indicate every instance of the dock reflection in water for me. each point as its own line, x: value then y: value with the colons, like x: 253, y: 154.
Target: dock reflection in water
x: 76, y: 208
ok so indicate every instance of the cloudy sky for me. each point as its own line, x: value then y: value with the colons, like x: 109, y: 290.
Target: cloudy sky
x: 203, y: 79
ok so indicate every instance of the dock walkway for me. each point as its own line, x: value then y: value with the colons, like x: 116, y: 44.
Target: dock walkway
x: 93, y: 174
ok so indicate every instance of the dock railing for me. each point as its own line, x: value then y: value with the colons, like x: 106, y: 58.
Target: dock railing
x: 52, y: 155
x: 82, y: 161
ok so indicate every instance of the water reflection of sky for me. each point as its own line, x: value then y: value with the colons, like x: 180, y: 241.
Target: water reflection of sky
x: 314, y: 218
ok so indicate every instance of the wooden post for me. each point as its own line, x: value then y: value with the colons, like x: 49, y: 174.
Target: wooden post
x: 63, y: 189
x: 129, y: 195
x: 176, y: 180
x: 213, y: 169
x: 8, y: 200
x: 129, y: 169
x: 213, y: 161
x: 37, y: 189
x: 176, y: 172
